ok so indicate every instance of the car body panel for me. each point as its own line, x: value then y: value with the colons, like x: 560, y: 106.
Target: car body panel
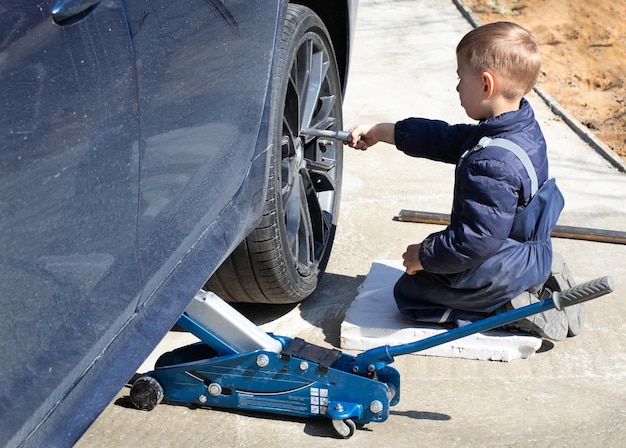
x: 196, y: 139
x: 69, y: 204
x: 134, y: 150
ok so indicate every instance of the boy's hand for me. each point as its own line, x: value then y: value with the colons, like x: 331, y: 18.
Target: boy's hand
x: 412, y: 259
x: 362, y: 137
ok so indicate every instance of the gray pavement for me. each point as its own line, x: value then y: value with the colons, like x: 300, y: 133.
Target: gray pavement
x: 570, y: 394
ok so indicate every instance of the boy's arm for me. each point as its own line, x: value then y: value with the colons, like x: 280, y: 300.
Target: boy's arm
x: 417, y: 137
x: 434, y: 139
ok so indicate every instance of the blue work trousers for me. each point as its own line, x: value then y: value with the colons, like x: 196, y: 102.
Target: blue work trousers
x: 523, y: 263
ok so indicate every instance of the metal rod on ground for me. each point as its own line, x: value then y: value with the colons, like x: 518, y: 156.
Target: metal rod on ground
x: 575, y: 233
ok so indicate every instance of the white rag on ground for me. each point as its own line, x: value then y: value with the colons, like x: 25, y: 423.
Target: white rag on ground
x: 373, y: 320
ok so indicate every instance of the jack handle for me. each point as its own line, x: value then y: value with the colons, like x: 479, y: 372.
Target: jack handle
x: 379, y: 357
x: 583, y: 292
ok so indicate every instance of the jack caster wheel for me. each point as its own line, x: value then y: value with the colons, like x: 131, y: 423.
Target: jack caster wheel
x: 146, y: 393
x: 344, y: 428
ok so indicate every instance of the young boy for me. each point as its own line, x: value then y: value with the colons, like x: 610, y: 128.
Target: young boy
x: 495, y: 250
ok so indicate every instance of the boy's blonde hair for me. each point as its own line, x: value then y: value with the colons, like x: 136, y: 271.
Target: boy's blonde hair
x: 507, y: 49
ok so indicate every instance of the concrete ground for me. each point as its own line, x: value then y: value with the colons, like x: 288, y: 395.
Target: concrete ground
x: 569, y: 394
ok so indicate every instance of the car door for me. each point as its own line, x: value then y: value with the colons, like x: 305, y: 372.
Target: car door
x: 203, y: 69
x: 68, y: 198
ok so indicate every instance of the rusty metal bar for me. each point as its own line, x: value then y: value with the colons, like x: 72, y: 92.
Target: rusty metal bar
x: 575, y: 233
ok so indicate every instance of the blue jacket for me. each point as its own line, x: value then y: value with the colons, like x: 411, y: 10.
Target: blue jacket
x: 491, y: 185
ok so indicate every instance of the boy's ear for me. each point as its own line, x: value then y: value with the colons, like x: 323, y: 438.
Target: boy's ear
x: 489, y: 84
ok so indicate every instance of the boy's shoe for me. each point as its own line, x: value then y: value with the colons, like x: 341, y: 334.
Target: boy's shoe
x: 550, y: 324
x: 561, y: 279
x: 575, y: 318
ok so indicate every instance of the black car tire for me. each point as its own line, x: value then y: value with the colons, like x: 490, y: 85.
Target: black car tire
x: 282, y: 259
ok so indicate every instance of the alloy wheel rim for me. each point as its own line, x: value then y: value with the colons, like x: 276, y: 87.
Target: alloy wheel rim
x: 309, y: 164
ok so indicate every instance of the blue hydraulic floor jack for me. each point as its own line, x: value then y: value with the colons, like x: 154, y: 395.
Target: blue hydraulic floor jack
x: 238, y: 366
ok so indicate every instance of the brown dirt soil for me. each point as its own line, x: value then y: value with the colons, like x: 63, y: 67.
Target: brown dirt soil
x: 583, y: 47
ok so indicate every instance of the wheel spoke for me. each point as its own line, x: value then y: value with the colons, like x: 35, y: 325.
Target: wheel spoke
x: 315, y: 69
x: 317, y: 219
x: 291, y: 115
x: 292, y: 207
x: 306, y: 235
x: 324, y: 117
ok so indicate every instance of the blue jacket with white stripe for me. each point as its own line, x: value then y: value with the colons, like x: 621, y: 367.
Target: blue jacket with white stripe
x: 491, y: 185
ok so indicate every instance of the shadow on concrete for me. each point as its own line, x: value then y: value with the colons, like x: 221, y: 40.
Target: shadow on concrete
x: 325, y: 308
x: 422, y: 415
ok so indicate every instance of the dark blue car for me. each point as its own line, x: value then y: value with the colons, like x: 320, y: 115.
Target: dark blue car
x: 148, y: 149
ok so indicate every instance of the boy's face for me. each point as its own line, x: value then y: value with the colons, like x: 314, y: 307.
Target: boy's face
x: 471, y: 90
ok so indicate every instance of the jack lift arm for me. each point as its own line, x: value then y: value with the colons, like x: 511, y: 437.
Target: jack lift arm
x: 236, y: 365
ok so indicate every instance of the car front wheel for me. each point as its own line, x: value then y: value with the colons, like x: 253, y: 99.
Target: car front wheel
x: 283, y: 258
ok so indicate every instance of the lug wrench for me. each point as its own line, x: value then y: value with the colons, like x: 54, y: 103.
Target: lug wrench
x: 343, y: 136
